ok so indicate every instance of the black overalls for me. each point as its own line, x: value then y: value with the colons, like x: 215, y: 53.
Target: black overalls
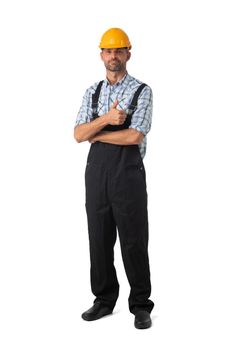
x: 116, y: 197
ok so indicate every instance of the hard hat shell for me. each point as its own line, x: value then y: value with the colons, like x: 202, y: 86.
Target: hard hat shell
x: 114, y: 38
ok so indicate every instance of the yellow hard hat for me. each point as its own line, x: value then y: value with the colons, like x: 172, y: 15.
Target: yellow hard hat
x: 114, y: 38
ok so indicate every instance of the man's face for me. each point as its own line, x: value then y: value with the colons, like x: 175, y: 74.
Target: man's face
x: 115, y: 59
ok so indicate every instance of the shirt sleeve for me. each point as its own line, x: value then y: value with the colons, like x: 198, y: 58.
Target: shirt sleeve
x: 142, y: 116
x: 85, y: 112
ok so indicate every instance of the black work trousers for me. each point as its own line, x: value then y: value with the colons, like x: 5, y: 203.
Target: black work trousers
x: 116, y: 199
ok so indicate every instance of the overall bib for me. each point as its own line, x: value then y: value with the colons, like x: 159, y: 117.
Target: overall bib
x: 116, y: 199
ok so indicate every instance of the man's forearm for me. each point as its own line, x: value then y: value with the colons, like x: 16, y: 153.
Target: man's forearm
x: 84, y: 132
x: 121, y: 137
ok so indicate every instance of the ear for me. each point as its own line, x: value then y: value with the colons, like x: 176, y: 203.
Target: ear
x: 128, y: 55
x: 101, y: 55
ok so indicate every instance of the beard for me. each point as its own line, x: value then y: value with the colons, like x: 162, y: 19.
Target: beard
x: 115, y: 66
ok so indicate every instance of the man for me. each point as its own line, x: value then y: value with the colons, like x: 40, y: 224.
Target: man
x: 115, y: 117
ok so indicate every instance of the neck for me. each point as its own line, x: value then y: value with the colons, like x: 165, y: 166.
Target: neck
x: 114, y: 77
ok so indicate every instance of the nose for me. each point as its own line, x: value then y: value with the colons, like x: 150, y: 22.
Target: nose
x: 113, y: 54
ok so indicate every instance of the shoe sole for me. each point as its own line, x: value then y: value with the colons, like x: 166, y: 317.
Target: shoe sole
x: 97, y: 317
x: 143, y: 325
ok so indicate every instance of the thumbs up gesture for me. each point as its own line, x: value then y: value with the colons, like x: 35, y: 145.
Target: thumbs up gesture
x: 115, y: 116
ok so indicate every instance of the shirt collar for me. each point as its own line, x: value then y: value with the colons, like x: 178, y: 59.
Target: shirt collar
x: 125, y: 79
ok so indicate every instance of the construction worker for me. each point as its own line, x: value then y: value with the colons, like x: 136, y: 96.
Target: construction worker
x: 115, y: 117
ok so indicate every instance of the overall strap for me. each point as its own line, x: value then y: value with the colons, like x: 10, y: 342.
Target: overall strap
x: 131, y: 108
x: 133, y: 104
x: 95, y: 98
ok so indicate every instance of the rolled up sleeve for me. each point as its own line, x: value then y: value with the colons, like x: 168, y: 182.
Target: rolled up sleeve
x: 85, y: 112
x: 142, y: 116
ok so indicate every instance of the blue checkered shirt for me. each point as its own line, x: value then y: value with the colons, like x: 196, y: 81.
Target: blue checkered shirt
x: 122, y: 91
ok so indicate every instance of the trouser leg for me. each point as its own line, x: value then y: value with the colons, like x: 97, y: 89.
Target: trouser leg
x: 102, y: 237
x: 130, y: 213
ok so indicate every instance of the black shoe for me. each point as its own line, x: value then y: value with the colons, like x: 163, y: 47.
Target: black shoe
x: 97, y: 311
x: 142, y: 319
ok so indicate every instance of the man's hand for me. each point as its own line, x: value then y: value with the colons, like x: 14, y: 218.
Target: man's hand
x: 98, y: 136
x: 92, y: 140
x: 115, y: 116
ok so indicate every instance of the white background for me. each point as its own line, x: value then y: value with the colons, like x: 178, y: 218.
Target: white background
x: 49, y: 56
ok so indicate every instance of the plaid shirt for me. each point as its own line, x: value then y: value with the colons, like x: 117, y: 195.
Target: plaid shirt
x: 122, y: 91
